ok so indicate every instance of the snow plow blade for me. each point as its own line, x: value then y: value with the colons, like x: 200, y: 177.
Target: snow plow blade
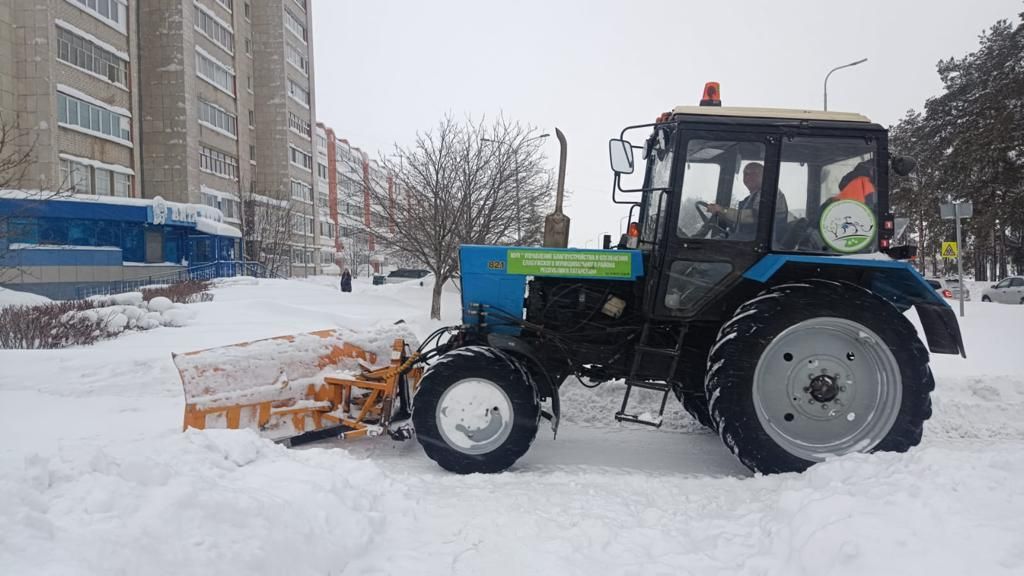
x: 316, y: 383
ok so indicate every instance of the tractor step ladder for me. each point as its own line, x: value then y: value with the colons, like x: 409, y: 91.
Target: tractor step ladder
x: 664, y: 385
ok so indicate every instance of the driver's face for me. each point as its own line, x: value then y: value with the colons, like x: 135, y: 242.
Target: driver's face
x: 752, y: 176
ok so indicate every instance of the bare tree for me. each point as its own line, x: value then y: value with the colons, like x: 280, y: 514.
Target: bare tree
x: 461, y: 183
x: 266, y: 226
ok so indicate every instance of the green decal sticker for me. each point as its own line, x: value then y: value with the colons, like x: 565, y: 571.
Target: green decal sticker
x: 595, y: 264
x: 848, y: 226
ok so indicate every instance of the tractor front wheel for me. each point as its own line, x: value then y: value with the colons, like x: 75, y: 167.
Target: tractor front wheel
x: 476, y: 410
x: 816, y: 369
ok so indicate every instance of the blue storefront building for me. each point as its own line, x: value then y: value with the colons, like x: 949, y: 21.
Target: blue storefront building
x: 63, y: 246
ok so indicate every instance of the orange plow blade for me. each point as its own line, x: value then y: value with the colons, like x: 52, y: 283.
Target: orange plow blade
x: 300, y: 384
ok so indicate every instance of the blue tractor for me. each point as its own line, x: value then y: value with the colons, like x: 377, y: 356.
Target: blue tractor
x: 757, y: 284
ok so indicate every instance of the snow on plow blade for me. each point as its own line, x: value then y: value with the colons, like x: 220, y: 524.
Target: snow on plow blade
x: 293, y: 385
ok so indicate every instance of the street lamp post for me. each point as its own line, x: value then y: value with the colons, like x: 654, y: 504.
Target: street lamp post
x: 515, y: 152
x: 850, y: 65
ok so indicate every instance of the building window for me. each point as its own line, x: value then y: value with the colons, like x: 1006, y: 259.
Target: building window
x: 74, y: 112
x: 217, y: 118
x: 302, y: 191
x: 321, y: 141
x: 295, y: 25
x: 321, y: 171
x: 321, y: 200
x: 214, y: 72
x: 86, y: 55
x: 112, y: 12
x: 248, y: 46
x: 252, y: 119
x: 215, y: 29
x: 122, y: 185
x: 301, y: 159
x: 81, y: 178
x: 229, y: 207
x: 302, y: 224
x: 297, y: 58
x: 298, y: 125
x: 227, y: 4
x: 298, y: 93
x: 208, y: 199
x: 300, y: 3
x: 252, y: 151
x: 75, y: 177
x: 217, y: 162
x: 247, y: 11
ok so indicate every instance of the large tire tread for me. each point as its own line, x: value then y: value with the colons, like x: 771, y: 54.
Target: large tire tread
x: 733, y: 358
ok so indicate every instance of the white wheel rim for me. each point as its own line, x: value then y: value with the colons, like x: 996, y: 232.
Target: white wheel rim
x: 827, y: 387
x: 474, y: 416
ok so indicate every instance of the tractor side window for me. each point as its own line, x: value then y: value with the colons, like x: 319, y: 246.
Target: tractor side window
x: 721, y: 190
x: 830, y: 184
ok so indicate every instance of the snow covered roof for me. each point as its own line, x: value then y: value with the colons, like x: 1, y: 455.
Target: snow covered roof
x: 207, y: 218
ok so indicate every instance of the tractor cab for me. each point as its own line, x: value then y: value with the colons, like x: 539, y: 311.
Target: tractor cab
x: 722, y: 187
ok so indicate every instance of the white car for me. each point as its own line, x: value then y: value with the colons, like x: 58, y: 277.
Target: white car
x: 953, y: 284
x: 408, y: 274
x: 1008, y: 291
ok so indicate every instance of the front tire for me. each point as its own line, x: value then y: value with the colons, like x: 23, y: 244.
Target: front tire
x: 476, y: 410
x: 815, y: 369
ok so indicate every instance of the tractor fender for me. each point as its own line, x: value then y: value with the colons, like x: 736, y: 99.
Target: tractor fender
x: 897, y: 282
x: 545, y: 386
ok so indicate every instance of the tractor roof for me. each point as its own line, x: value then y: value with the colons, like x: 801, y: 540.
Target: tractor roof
x: 771, y: 113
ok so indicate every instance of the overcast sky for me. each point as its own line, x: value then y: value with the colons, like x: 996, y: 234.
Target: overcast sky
x: 385, y: 69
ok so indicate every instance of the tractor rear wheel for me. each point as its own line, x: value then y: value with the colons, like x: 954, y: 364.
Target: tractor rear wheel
x: 476, y: 410
x: 816, y: 369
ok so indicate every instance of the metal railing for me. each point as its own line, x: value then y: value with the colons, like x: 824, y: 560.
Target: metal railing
x: 207, y: 271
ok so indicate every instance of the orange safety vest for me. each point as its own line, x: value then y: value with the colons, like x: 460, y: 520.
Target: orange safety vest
x: 857, y: 189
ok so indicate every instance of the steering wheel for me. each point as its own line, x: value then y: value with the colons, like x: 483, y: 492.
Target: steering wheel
x: 711, y: 222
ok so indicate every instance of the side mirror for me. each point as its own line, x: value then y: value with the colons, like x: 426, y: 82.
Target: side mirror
x: 620, y: 152
x: 606, y: 242
x: 903, y: 165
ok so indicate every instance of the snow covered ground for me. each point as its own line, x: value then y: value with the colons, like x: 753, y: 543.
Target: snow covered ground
x: 96, y: 476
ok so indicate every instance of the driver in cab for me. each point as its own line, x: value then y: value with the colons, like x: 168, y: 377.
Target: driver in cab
x: 742, y: 220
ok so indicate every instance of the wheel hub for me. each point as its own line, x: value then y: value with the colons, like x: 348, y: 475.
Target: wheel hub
x: 824, y: 388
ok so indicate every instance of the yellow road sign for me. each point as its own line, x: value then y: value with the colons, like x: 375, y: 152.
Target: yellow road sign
x: 949, y: 250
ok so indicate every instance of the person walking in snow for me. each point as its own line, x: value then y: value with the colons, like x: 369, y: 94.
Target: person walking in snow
x: 346, y: 280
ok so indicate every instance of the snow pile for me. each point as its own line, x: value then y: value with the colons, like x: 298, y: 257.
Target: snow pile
x: 10, y: 297
x: 128, y: 311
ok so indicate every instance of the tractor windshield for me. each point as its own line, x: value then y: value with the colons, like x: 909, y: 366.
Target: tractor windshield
x: 831, y: 188
x: 660, y: 150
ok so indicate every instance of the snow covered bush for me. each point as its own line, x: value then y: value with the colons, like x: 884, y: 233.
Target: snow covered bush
x: 50, y: 325
x: 83, y: 322
x: 187, y: 292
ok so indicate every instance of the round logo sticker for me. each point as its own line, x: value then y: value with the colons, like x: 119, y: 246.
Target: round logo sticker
x: 848, y: 226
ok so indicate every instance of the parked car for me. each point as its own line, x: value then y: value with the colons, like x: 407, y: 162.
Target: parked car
x: 1007, y: 291
x: 936, y: 285
x: 407, y: 275
x: 953, y: 284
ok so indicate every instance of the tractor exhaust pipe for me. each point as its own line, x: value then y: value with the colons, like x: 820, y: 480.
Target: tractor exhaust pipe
x: 556, y: 225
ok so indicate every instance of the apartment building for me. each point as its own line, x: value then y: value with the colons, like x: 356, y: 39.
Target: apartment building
x: 217, y: 128
x: 161, y: 100
x: 69, y: 85
x: 285, y: 115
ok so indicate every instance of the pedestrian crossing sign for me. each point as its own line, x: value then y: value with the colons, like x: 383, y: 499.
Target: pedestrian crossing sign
x: 949, y: 250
